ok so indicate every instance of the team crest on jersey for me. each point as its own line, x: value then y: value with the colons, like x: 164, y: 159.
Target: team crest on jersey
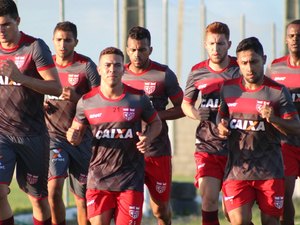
x: 134, y: 211
x: 19, y: 61
x: 31, y: 179
x: 149, y: 87
x: 278, y: 202
x: 128, y: 113
x: 160, y: 187
x: 73, y: 79
x: 260, y: 104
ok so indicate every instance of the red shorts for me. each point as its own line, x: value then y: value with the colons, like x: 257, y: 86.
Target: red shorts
x: 128, y: 205
x: 267, y: 193
x: 291, y: 159
x: 209, y: 165
x: 158, y: 177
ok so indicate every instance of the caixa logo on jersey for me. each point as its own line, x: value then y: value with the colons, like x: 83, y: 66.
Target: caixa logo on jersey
x: 149, y: 87
x: 128, y: 113
x: 134, y: 211
x: 260, y: 104
x: 73, y: 79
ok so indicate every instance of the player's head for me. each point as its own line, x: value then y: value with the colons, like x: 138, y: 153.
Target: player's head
x: 139, y: 47
x: 65, y: 40
x: 293, y: 37
x: 111, y: 67
x: 9, y: 8
x: 66, y: 26
x: 217, y: 42
x: 251, y: 60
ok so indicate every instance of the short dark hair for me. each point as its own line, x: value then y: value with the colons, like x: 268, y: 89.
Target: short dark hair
x: 111, y: 50
x: 297, y: 22
x: 66, y: 26
x: 9, y: 7
x: 139, y: 33
x: 218, y: 28
x: 251, y: 43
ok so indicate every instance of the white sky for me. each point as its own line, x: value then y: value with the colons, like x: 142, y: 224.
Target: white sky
x: 95, y: 24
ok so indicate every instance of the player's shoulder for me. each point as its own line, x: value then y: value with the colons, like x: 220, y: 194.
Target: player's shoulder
x: 272, y: 83
x: 81, y: 58
x: 132, y: 90
x: 158, y: 66
x: 91, y: 93
x: 25, y: 38
x: 279, y: 60
x: 200, y: 65
x: 233, y: 61
x: 234, y: 81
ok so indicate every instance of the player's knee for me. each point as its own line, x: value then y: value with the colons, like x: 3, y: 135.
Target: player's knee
x: 162, y: 211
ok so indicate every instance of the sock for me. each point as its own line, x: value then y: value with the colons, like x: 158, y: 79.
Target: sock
x: 45, y: 222
x: 61, y: 223
x: 9, y: 221
x: 210, y: 218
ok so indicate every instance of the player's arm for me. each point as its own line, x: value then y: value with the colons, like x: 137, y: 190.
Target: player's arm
x: 287, y: 126
x: 172, y: 113
x: 146, y: 137
x: 50, y: 83
x: 76, y: 132
x: 190, y: 111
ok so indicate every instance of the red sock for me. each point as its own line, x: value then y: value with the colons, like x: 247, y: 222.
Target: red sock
x: 61, y: 223
x: 45, y: 222
x: 9, y: 221
x: 210, y: 218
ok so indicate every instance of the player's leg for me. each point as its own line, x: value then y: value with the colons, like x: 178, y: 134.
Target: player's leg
x: 101, y: 206
x: 208, y: 179
x: 32, y: 174
x: 129, y: 207
x: 57, y: 206
x: 241, y: 215
x: 158, y: 176
x: 270, y: 198
x: 7, y: 165
x: 78, y: 170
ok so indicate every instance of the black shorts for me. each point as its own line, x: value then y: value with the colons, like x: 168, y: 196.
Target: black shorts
x: 30, y: 155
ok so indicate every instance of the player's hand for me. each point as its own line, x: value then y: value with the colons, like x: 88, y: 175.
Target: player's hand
x: 9, y: 69
x: 224, y: 132
x: 267, y: 112
x: 203, y: 113
x: 144, y: 143
x: 69, y: 94
x: 73, y: 136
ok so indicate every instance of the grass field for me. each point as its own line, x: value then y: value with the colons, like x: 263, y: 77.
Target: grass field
x: 20, y: 204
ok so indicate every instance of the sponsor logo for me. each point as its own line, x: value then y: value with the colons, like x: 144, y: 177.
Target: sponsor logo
x: 249, y: 125
x: 201, y: 86
x: 73, y: 79
x: 6, y: 81
x: 134, y: 212
x: 278, y: 202
x: 260, y: 104
x: 160, y: 187
x: 53, y: 97
x: 97, y: 115
x: 213, y: 103
x: 232, y: 105
x: 2, y: 167
x: 19, y: 61
x: 296, y: 97
x: 128, y: 113
x: 82, y: 178
x: 32, y: 179
x: 279, y: 78
x: 89, y: 203
x: 228, y: 198
x: 114, y: 134
x: 57, y: 157
x: 201, y: 165
x: 149, y: 87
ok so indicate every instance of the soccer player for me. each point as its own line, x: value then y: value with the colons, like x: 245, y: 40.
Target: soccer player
x: 205, y: 79
x: 27, y: 73
x: 116, y: 172
x: 286, y: 70
x: 160, y: 84
x: 77, y: 74
x: 254, y: 110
